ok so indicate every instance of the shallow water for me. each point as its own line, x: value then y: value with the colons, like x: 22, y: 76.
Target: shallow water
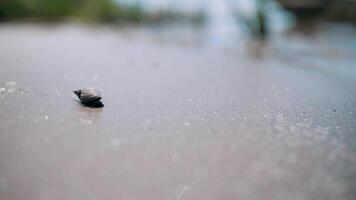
x: 182, y: 120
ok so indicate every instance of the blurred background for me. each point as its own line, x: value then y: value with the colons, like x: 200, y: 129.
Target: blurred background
x: 216, y: 22
x: 259, y: 17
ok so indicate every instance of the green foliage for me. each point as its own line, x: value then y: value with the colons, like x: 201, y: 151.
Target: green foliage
x: 93, y: 10
x: 12, y: 9
x: 85, y: 10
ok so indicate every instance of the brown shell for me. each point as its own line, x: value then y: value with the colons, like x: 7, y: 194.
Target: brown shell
x: 89, y: 95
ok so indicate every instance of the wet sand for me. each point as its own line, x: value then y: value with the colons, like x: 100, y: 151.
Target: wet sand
x: 181, y: 121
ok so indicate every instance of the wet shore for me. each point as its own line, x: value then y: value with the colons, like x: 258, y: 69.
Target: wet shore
x: 182, y: 119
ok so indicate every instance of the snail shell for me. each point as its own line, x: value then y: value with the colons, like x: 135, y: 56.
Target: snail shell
x: 89, y: 96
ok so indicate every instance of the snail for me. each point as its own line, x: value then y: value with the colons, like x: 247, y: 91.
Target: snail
x: 90, y: 97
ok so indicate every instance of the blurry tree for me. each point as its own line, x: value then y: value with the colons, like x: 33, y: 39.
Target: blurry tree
x: 257, y: 24
x: 86, y: 10
x: 12, y: 9
x: 261, y: 18
x: 53, y: 9
x: 98, y: 10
